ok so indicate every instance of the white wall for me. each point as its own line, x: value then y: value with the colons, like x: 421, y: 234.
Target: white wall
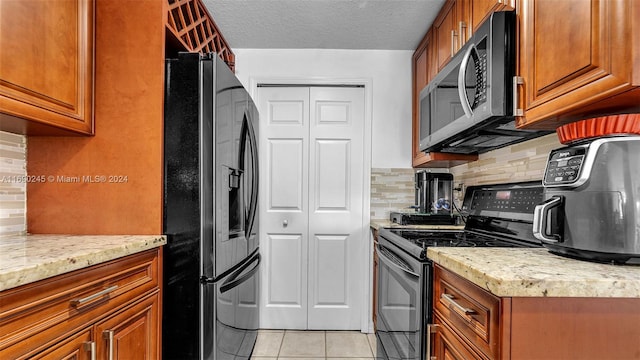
x: 388, y: 73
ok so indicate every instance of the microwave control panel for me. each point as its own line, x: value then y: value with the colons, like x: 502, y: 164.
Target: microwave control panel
x: 564, y: 166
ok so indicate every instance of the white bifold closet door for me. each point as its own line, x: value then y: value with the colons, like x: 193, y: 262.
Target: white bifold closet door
x: 311, y: 209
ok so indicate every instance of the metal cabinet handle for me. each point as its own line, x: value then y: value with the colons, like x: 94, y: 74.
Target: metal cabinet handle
x: 453, y: 305
x: 78, y: 302
x: 517, y: 80
x: 108, y: 335
x: 431, y: 329
x: 285, y: 223
x: 453, y: 47
x: 461, y: 26
x: 90, y: 347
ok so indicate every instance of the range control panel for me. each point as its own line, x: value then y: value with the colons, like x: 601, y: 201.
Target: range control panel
x: 564, y: 165
x: 509, y: 200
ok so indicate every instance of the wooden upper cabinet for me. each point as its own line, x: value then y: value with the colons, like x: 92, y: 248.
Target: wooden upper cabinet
x: 446, y: 32
x: 475, y: 12
x: 578, y: 66
x: 46, y: 66
x: 421, y: 77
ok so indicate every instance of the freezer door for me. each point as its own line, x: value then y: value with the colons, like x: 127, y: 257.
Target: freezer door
x: 230, y: 324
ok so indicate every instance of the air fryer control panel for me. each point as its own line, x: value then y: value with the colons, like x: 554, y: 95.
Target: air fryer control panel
x: 564, y: 165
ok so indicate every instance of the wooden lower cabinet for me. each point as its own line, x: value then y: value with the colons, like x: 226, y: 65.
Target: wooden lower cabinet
x: 126, y: 335
x: 471, y: 323
x: 448, y: 345
x: 76, y: 347
x: 106, y: 309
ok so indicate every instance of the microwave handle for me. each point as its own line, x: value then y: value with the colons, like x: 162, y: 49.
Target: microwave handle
x: 462, y: 74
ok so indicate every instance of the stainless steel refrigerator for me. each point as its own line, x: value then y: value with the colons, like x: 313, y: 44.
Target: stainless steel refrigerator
x: 212, y: 259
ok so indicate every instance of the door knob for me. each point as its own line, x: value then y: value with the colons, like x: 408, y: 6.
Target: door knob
x: 285, y: 223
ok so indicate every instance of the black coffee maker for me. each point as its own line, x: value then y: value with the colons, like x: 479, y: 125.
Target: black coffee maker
x: 434, y: 193
x: 434, y: 201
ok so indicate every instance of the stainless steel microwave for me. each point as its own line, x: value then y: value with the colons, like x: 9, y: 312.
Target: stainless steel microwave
x: 468, y: 106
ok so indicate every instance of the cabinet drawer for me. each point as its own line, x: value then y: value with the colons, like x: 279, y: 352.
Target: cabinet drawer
x: 450, y: 346
x: 35, y: 315
x: 469, y: 310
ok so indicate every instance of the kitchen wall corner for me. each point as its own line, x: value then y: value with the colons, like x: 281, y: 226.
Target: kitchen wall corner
x: 13, y: 185
x: 391, y: 189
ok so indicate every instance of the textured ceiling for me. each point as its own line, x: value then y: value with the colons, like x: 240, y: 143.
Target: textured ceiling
x: 323, y: 24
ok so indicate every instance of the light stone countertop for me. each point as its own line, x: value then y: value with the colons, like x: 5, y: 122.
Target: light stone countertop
x: 535, y: 272
x: 26, y: 259
x: 377, y: 224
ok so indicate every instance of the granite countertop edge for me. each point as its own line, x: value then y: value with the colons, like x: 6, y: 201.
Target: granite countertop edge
x: 535, y: 272
x: 30, y: 258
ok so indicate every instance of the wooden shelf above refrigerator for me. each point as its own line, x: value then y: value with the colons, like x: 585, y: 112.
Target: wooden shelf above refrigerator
x: 190, y: 24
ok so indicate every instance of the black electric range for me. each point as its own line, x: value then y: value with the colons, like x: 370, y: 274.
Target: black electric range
x: 494, y: 215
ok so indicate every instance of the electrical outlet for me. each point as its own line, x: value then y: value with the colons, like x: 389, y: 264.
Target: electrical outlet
x: 459, y: 188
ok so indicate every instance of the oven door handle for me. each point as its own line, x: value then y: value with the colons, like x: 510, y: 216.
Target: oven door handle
x: 382, y: 255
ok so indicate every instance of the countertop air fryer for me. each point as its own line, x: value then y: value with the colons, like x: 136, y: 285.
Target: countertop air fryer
x: 591, y: 207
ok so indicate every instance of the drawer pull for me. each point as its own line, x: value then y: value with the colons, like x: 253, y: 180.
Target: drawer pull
x: 90, y: 347
x: 83, y: 300
x: 108, y: 335
x: 450, y: 300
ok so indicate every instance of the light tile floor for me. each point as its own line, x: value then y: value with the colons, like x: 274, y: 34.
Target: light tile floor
x: 301, y: 345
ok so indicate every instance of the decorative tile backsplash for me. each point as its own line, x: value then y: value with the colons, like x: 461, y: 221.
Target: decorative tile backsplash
x: 391, y: 189
x: 520, y: 162
x: 13, y: 186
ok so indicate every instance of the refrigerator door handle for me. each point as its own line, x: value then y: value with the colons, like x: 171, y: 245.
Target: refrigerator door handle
x: 235, y: 279
x: 248, y: 132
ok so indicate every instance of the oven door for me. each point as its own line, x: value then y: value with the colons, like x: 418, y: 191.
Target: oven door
x: 400, y: 304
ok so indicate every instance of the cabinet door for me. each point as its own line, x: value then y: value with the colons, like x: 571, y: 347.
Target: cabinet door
x: 475, y: 12
x: 77, y: 347
x: 446, y: 33
x: 132, y: 333
x: 46, y: 66
x: 421, y: 62
x: 571, y: 62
